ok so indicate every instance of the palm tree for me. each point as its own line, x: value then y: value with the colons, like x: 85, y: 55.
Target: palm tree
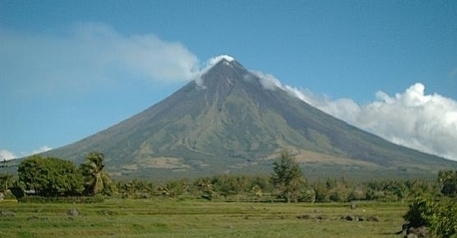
x: 95, y: 178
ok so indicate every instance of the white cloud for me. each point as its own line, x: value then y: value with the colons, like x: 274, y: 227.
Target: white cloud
x: 413, y: 119
x: 268, y: 81
x: 6, y: 155
x: 425, y: 122
x: 40, y: 150
x: 89, y: 54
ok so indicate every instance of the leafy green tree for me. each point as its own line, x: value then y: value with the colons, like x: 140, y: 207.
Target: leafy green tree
x: 50, y: 176
x: 135, y: 189
x: 439, y: 216
x: 448, y: 181
x: 418, y: 187
x: 95, y: 179
x: 397, y: 189
x: 5, y: 182
x: 204, y: 187
x: 287, y: 177
x: 419, y: 212
x: 444, y: 219
x: 225, y: 185
x: 322, y: 194
x: 175, y: 188
x: 338, y: 190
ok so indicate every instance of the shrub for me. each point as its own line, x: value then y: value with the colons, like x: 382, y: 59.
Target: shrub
x: 440, y: 216
x: 419, y: 213
x: 73, y: 199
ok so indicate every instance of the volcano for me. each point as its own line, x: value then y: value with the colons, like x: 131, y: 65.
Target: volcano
x: 227, y: 120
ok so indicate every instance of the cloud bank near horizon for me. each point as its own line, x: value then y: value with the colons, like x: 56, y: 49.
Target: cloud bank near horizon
x: 425, y: 122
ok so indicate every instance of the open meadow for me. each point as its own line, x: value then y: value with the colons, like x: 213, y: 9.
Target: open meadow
x: 198, y: 218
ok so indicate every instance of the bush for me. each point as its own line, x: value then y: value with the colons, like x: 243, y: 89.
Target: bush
x: 40, y: 199
x: 50, y: 176
x: 444, y: 218
x: 419, y: 213
x: 440, y: 216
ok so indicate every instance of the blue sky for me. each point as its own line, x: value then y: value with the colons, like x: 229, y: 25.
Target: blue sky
x: 69, y: 69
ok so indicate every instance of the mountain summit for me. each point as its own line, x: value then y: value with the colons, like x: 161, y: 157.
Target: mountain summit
x: 227, y: 120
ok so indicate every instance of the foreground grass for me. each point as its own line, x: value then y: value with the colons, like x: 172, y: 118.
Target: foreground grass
x: 170, y: 218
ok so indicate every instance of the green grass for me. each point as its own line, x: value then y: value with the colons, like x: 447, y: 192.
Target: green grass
x: 170, y: 218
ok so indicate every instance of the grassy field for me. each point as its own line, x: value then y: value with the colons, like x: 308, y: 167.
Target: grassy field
x: 191, y: 218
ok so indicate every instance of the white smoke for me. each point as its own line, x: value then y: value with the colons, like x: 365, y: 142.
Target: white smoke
x: 208, y: 65
x: 93, y: 54
x: 218, y: 58
x: 268, y: 81
x: 89, y: 54
x: 424, y: 122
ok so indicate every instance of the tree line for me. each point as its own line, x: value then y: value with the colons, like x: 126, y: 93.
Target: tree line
x: 51, y: 177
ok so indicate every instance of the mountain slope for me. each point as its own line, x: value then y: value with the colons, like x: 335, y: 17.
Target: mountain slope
x: 227, y: 121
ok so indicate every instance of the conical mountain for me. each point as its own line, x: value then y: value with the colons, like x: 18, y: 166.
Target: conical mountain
x: 228, y: 121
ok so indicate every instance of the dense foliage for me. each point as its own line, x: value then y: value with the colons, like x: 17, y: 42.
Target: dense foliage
x: 54, y: 177
x: 49, y: 176
x: 57, y: 177
x: 438, y: 213
x: 448, y: 181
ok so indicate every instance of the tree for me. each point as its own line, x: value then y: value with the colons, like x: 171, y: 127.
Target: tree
x: 321, y: 192
x: 444, y: 219
x: 204, y: 187
x: 225, y: 185
x: 439, y: 216
x: 135, y: 189
x: 448, y: 181
x: 175, y: 188
x: 95, y: 179
x: 50, y: 176
x: 6, y: 179
x: 419, y: 212
x: 5, y: 182
x: 287, y: 177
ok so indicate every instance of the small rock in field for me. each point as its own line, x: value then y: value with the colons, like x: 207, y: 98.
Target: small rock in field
x: 73, y: 212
